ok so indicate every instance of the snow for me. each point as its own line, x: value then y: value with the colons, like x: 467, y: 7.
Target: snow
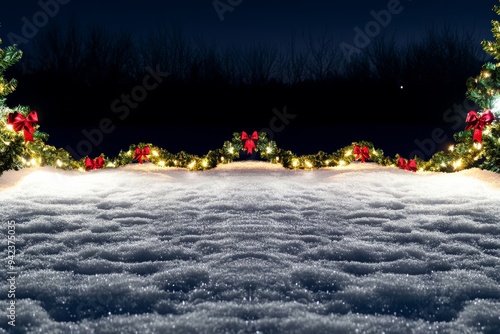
x: 252, y: 247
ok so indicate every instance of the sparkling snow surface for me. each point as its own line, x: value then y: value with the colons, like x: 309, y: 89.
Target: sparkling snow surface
x: 251, y: 247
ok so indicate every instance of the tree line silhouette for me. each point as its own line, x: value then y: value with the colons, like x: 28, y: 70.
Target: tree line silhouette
x: 72, y: 75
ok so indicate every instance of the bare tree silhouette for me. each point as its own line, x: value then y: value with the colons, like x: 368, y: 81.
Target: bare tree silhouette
x: 324, y: 58
x: 261, y: 62
x: 109, y: 58
x: 86, y: 69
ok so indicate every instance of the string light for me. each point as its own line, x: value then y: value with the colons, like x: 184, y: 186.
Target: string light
x: 457, y: 164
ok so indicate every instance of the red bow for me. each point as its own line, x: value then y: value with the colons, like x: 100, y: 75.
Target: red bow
x: 94, y: 164
x: 363, y: 153
x: 407, y: 165
x: 249, y: 144
x: 478, y: 123
x: 141, y: 154
x: 19, y: 122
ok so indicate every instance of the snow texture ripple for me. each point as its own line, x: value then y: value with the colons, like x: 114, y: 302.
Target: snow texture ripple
x: 251, y: 247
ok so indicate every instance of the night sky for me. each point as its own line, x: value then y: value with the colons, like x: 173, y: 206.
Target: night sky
x: 247, y: 22
x: 258, y: 20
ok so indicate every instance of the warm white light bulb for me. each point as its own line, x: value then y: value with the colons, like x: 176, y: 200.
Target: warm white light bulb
x: 495, y: 106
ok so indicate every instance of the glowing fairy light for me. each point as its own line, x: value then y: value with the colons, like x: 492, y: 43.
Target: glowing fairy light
x: 204, y: 163
x: 495, y: 109
x: 59, y: 163
x: 192, y: 164
x: 277, y: 159
x: 222, y: 159
x: 451, y: 148
x: 269, y: 150
x: 327, y: 162
x: 155, y: 153
x: 348, y: 153
x: 295, y: 162
x: 161, y: 163
x: 230, y: 150
x: 342, y: 163
x: 457, y: 164
x: 477, y: 146
x: 308, y: 164
x: 10, y: 127
x: 30, y: 163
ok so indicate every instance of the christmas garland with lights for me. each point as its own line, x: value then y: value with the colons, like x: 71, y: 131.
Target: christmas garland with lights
x: 24, y: 146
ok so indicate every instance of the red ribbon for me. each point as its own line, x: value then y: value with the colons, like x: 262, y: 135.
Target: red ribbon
x: 19, y: 122
x: 478, y: 123
x: 407, y: 165
x: 97, y: 163
x: 141, y: 155
x: 249, y: 142
x: 363, y: 153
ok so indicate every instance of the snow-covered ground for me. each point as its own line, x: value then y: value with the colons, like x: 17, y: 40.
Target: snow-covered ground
x: 251, y: 247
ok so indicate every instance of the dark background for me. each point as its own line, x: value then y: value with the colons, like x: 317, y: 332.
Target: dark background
x: 85, y: 63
